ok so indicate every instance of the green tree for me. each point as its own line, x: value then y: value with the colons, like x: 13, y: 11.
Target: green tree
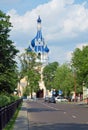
x: 49, y: 73
x: 8, y: 65
x: 63, y: 79
x: 29, y: 68
x: 80, y: 63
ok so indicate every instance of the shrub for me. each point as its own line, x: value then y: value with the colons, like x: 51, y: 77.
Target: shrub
x: 6, y: 99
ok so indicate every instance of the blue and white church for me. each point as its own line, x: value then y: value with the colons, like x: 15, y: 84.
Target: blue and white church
x: 38, y: 44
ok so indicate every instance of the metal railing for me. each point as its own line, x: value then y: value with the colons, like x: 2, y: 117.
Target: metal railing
x: 7, y: 112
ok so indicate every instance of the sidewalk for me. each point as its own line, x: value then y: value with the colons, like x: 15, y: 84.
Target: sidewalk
x: 21, y: 122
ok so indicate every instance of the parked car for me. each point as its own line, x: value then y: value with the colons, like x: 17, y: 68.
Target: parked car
x: 61, y: 99
x: 50, y: 99
x: 46, y: 99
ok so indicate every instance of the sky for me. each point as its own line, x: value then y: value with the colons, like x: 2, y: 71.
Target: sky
x: 64, y: 25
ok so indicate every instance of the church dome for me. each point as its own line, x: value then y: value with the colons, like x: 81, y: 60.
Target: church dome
x: 39, y: 20
x: 33, y: 42
x: 46, y: 49
x: 29, y: 49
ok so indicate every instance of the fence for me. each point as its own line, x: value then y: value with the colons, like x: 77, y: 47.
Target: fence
x: 7, y: 112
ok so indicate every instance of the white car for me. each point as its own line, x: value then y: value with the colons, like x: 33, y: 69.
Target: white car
x: 61, y: 99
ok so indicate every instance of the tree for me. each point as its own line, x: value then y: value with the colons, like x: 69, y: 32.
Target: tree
x: 80, y: 63
x: 63, y: 79
x: 49, y: 73
x: 8, y: 65
x: 29, y: 68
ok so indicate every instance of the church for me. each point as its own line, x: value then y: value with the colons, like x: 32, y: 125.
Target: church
x: 38, y: 46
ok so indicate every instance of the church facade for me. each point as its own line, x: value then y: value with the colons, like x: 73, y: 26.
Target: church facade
x: 39, y: 46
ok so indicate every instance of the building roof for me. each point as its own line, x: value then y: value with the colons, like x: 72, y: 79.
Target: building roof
x: 39, y: 20
x: 38, y: 43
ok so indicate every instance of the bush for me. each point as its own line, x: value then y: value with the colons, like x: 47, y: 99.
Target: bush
x: 13, y: 98
x: 6, y: 99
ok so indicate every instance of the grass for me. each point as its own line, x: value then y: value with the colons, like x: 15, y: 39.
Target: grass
x: 11, y: 123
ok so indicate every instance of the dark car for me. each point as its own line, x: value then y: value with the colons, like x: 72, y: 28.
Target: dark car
x: 50, y: 99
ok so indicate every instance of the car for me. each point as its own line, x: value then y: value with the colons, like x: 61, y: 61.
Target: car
x: 61, y: 99
x: 46, y: 99
x: 50, y: 99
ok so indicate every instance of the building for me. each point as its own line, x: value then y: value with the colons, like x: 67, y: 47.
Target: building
x: 38, y: 44
x: 39, y: 47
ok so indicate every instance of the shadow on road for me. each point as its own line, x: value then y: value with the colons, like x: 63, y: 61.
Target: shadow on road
x: 58, y: 126
x: 41, y: 109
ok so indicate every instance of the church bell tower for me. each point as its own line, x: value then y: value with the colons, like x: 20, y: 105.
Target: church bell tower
x: 38, y: 44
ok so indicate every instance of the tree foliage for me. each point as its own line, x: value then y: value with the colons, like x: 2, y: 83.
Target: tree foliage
x: 64, y: 80
x: 80, y: 62
x: 49, y: 73
x: 8, y: 65
x: 29, y: 68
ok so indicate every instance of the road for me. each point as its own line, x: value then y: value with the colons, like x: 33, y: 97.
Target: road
x: 59, y: 116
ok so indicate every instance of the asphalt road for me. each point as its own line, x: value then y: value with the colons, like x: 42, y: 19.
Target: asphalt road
x: 59, y: 116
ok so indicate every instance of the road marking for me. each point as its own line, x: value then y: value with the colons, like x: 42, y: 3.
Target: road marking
x: 50, y: 106
x: 64, y: 112
x: 73, y: 116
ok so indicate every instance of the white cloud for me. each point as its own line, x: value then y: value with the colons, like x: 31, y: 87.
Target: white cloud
x: 81, y: 45
x: 61, y: 20
x: 69, y: 55
x: 59, y: 54
x: 21, y: 23
x: 57, y: 16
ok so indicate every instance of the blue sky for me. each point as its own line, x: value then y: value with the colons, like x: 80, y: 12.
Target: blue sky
x: 64, y: 24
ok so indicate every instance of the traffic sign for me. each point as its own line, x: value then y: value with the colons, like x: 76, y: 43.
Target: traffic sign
x: 60, y: 92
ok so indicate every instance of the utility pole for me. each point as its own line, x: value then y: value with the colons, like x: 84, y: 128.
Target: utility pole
x: 74, y: 75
